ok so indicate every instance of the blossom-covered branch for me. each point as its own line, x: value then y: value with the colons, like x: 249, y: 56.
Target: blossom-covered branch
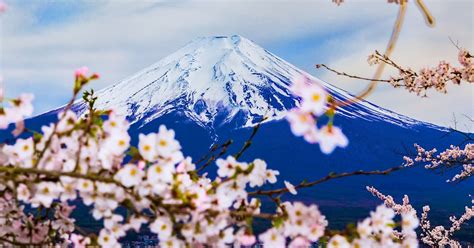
x: 453, y: 157
x: 427, y: 78
x: 437, y: 236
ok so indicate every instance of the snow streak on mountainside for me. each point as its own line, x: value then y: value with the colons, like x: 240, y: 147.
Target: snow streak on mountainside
x: 214, y: 80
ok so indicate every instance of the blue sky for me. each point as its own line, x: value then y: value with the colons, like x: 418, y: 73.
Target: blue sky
x: 44, y: 41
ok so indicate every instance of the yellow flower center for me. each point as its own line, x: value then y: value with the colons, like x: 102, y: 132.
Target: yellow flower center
x: 316, y: 97
x: 147, y: 148
x: 303, y: 118
x: 46, y: 190
x: 163, y: 143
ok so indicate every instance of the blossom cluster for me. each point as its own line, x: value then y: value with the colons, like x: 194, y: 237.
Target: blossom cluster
x: 432, y: 236
x: 430, y: 78
x: 439, y: 235
x: 378, y: 231
x: 314, y: 104
x: 452, y: 157
x: 23, y: 228
x: 304, y: 225
x: 90, y: 159
x: 15, y: 111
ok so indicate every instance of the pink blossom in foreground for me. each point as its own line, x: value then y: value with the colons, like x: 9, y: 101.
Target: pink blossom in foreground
x: 303, y: 119
x: 301, y: 122
x: 314, y: 100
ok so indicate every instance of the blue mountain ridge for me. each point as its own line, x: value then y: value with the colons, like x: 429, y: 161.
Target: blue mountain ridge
x: 218, y: 88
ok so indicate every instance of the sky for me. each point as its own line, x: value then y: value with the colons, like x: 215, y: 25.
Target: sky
x: 42, y: 42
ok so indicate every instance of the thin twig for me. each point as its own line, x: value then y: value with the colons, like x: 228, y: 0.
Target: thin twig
x: 356, y: 77
x: 248, y: 142
x: 223, y: 150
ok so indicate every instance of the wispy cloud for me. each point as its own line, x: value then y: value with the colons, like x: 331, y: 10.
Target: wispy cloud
x: 42, y: 44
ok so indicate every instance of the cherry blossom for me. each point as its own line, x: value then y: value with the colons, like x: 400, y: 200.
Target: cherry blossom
x: 314, y: 100
x: 45, y: 193
x: 330, y: 137
x: 290, y: 187
x: 163, y: 227
x: 314, y: 104
x: 129, y: 175
x: 301, y: 122
x: 272, y: 238
x: 338, y: 241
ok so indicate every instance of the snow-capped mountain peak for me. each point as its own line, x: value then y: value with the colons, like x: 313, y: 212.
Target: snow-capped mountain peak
x: 204, y: 78
x: 213, y: 80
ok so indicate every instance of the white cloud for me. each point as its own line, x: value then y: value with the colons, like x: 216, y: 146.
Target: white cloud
x: 120, y: 38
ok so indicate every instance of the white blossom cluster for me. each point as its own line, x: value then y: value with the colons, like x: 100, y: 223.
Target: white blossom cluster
x: 378, y: 231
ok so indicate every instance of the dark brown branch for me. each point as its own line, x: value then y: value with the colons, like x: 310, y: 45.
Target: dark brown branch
x: 223, y: 150
x: 331, y: 176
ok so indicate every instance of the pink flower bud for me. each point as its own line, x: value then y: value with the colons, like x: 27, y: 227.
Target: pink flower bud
x: 81, y: 72
x: 3, y: 7
x: 95, y: 76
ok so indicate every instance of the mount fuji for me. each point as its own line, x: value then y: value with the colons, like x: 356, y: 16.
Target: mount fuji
x: 218, y: 88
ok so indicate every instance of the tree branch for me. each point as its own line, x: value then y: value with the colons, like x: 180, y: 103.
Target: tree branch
x: 329, y: 177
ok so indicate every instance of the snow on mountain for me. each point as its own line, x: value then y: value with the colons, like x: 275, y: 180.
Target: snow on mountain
x: 213, y: 79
